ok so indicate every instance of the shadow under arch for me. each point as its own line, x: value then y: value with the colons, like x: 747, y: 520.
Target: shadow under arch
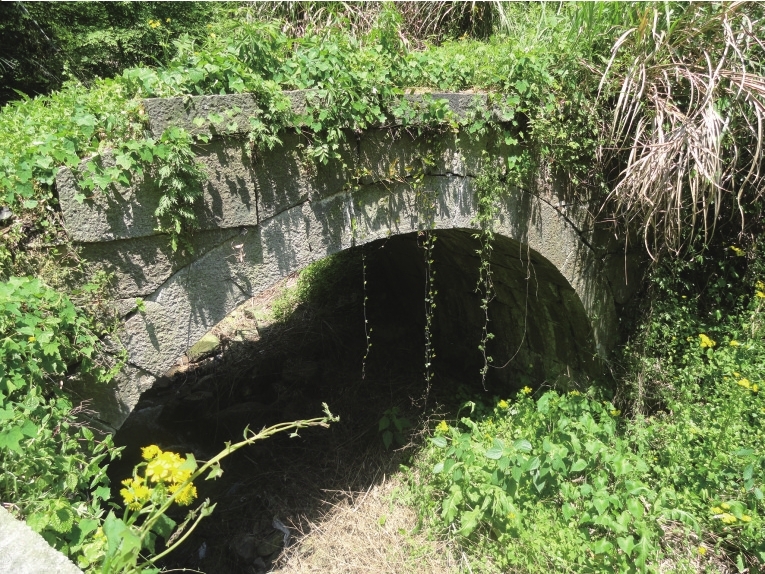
x: 536, y: 316
x: 545, y: 266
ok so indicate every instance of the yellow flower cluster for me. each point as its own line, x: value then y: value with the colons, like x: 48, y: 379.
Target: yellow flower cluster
x: 737, y: 250
x: 503, y: 404
x: 615, y: 412
x: 721, y: 513
x: 706, y: 342
x: 747, y: 384
x: 442, y: 427
x: 186, y: 494
x: 136, y: 493
x: 759, y: 290
x: 163, y: 468
x: 166, y: 468
x: 574, y: 393
x: 526, y: 390
x: 153, y: 24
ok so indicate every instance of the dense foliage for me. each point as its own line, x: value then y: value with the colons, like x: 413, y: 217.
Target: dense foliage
x: 655, y: 110
x: 570, y: 482
x: 54, y: 469
x: 44, y: 45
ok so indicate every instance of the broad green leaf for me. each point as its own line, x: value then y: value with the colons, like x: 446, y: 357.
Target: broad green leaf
x: 601, y: 546
x: 450, y: 505
x: 439, y: 441
x: 10, y: 438
x: 635, y: 507
x: 164, y: 526
x: 627, y: 544
x: 495, y: 452
x: 469, y: 522
x: 522, y: 445
x: 601, y: 504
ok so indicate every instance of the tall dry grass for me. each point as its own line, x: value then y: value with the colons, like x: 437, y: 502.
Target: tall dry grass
x: 688, y: 98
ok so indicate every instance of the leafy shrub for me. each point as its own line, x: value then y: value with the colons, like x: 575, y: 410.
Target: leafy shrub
x: 54, y: 468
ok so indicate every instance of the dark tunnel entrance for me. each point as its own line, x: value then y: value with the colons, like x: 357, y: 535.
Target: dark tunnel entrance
x: 269, y: 372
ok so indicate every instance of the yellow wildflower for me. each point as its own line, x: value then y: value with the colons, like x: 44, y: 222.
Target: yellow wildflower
x: 32, y: 339
x: 734, y: 343
x: 442, y: 427
x: 737, y: 250
x: 615, y: 412
x: 706, y: 342
x: 526, y: 390
x: 760, y: 294
x: 136, y: 493
x: 760, y: 285
x: 746, y: 518
x: 167, y: 20
x: 746, y: 383
x: 186, y: 495
x: 755, y: 388
x: 502, y: 404
x: 574, y: 393
x: 725, y: 506
x: 150, y: 452
x: 702, y: 550
x: 728, y: 518
x: 166, y: 468
x: 716, y: 510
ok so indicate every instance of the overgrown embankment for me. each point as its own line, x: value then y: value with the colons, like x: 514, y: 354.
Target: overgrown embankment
x: 655, y: 109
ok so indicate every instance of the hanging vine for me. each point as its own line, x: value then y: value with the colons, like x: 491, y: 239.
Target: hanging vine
x: 367, y: 328
x: 489, y: 187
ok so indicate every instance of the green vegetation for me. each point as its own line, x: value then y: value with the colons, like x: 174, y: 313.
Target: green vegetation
x: 54, y: 469
x: 654, y: 111
x: 570, y: 482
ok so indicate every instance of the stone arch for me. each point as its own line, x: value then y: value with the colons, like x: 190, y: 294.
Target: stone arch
x: 268, y: 216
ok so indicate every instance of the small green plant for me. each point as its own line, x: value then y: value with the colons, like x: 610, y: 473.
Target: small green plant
x: 129, y: 544
x: 392, y: 428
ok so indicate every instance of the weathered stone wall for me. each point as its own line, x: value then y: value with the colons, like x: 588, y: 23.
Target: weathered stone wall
x: 271, y: 213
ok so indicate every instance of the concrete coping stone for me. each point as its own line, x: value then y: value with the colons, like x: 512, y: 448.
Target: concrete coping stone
x: 24, y: 551
x: 192, y: 113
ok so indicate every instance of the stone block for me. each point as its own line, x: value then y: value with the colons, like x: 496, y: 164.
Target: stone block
x: 23, y: 551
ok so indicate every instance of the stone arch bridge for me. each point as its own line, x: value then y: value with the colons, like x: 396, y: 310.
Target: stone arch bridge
x: 271, y: 214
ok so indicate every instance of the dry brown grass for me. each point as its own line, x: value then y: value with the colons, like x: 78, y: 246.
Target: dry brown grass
x: 435, y: 20
x: 369, y: 531
x: 688, y: 119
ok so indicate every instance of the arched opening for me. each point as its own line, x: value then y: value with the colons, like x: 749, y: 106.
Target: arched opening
x: 268, y: 372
